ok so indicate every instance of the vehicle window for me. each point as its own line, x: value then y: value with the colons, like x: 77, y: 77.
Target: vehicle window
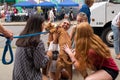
x: 115, y: 1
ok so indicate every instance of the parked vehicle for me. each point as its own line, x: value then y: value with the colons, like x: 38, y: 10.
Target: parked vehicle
x: 102, y: 14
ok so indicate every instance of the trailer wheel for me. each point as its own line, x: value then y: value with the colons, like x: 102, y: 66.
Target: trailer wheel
x: 107, y: 36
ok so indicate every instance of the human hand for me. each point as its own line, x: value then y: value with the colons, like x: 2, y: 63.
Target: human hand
x: 67, y: 49
x: 8, y: 34
x: 49, y: 53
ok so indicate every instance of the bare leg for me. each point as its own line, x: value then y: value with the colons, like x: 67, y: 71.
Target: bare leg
x: 99, y: 75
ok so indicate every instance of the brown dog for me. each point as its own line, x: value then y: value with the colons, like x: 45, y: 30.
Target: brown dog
x: 48, y: 27
x: 63, y: 61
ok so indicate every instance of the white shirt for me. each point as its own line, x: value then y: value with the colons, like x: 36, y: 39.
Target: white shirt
x: 51, y: 14
x: 2, y: 11
x: 116, y: 19
x: 53, y: 47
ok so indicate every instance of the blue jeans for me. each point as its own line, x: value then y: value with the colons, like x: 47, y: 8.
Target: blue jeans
x: 116, y: 36
x: 8, y: 18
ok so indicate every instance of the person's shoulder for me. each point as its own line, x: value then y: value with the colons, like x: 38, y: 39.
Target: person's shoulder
x: 84, y: 5
x: 84, y: 8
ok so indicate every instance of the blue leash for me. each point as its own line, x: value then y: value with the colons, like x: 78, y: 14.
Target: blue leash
x: 8, y: 46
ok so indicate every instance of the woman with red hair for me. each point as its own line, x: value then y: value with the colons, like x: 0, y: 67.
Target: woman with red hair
x: 93, y: 54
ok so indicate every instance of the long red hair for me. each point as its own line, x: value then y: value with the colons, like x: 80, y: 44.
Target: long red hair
x: 85, y: 39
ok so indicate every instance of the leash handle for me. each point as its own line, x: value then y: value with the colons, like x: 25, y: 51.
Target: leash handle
x: 6, y: 48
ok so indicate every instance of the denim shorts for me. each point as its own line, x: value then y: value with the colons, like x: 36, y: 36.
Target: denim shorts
x: 112, y: 72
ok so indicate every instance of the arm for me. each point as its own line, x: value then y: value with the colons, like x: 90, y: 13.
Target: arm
x: 71, y: 55
x: 83, y: 8
x: 6, y: 32
x: 72, y: 15
x: 118, y: 20
x: 119, y: 23
x: 1, y: 29
x: 72, y: 33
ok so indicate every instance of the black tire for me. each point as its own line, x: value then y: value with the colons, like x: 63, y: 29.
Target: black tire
x: 107, y: 36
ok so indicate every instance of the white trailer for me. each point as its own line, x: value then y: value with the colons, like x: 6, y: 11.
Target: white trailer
x: 102, y: 14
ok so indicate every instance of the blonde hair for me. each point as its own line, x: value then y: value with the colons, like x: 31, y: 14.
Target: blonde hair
x: 86, y: 40
x: 83, y: 16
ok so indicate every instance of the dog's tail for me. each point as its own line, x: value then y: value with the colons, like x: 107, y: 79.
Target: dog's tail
x: 67, y: 62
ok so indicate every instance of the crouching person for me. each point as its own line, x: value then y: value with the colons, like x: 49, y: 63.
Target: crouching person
x: 92, y: 53
x: 30, y: 52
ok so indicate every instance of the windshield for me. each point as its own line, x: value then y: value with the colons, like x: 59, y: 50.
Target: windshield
x: 115, y: 1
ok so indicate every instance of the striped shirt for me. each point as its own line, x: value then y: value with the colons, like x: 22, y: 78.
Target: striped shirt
x: 28, y: 62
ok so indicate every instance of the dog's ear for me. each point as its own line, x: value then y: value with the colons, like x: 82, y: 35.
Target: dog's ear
x: 47, y: 26
x: 50, y: 27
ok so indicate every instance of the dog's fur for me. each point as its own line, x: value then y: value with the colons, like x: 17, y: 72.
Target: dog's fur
x: 63, y: 61
x: 51, y: 28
